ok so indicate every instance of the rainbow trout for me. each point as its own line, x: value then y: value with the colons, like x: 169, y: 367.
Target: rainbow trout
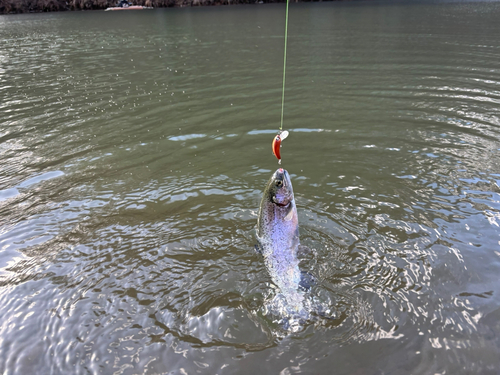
x: 278, y: 236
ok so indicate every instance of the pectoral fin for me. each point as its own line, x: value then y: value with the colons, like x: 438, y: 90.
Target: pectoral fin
x: 291, y: 209
x: 258, y: 249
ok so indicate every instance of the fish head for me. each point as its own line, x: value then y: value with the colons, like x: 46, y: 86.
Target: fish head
x: 279, y: 187
x: 277, y: 211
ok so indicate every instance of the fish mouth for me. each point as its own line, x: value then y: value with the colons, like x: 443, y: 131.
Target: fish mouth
x: 281, y: 204
x: 285, y: 203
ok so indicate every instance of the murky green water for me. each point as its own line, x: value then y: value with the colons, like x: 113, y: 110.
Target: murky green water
x: 134, y: 149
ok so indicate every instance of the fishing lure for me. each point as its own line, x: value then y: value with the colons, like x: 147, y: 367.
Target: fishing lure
x: 277, y: 144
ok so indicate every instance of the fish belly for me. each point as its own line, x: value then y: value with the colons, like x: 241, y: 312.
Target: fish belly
x: 283, y: 267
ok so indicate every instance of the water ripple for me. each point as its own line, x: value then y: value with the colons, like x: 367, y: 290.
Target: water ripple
x: 133, y: 166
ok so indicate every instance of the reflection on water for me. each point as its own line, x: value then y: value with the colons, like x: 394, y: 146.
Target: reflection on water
x: 135, y: 148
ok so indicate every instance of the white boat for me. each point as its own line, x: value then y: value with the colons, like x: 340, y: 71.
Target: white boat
x: 125, y: 5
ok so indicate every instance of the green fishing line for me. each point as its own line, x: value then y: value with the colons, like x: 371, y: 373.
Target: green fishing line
x: 284, y: 66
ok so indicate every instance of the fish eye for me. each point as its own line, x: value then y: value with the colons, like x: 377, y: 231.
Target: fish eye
x: 279, y: 183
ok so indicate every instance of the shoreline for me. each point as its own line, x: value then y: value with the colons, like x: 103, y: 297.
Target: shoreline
x: 45, y: 6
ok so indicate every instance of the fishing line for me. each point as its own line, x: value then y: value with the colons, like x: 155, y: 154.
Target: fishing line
x: 284, y: 66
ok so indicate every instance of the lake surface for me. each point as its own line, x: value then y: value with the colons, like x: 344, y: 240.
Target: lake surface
x: 135, y: 147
